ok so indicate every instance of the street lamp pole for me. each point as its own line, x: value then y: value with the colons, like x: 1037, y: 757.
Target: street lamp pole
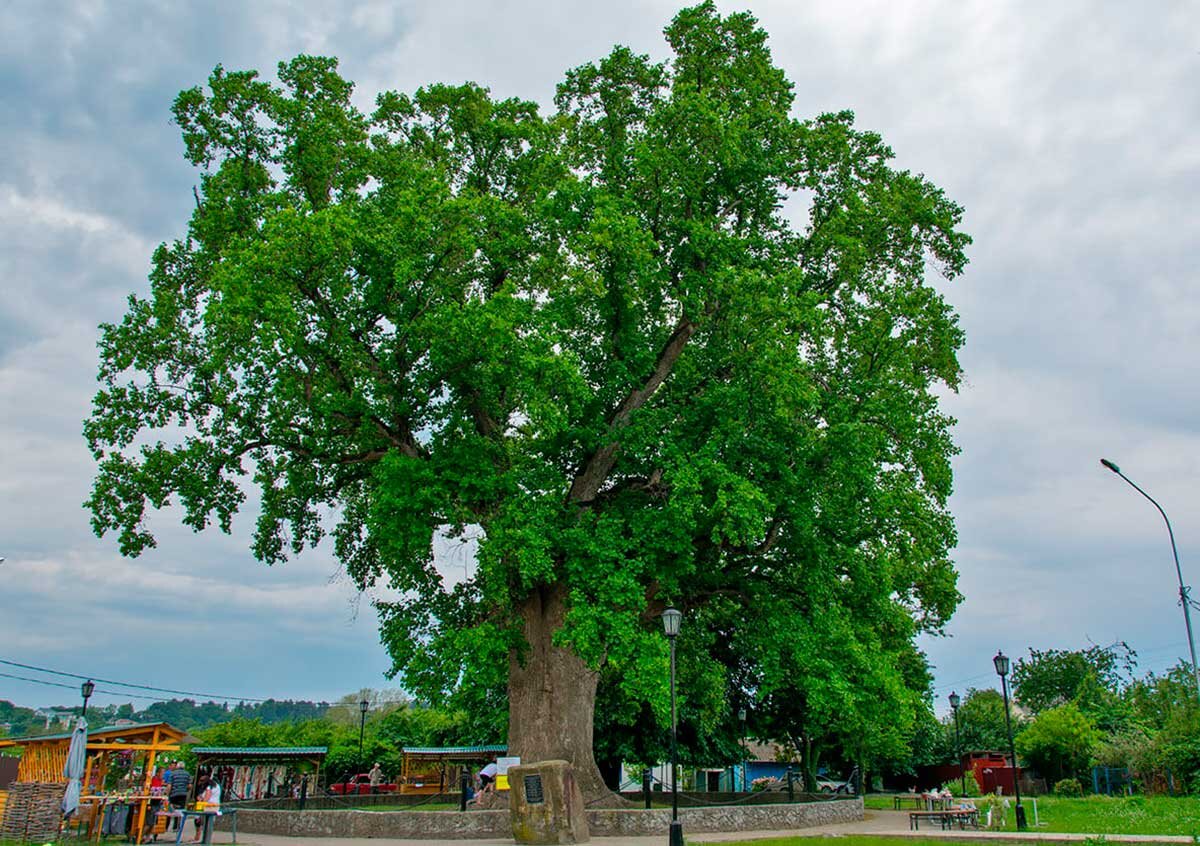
x: 87, y: 689
x: 744, y: 751
x: 1001, y: 664
x: 1184, y: 590
x: 363, y: 707
x: 671, y: 619
x: 954, y: 702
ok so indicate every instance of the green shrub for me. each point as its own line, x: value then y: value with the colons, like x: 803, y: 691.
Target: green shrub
x: 1059, y: 743
x: 1068, y: 787
x: 955, y: 787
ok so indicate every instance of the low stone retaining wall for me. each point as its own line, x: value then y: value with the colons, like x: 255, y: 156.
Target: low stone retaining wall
x: 398, y: 824
x: 495, y: 824
x: 632, y: 823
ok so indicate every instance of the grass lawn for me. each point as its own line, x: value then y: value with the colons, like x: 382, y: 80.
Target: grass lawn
x: 428, y: 806
x: 1100, y: 814
x: 846, y: 840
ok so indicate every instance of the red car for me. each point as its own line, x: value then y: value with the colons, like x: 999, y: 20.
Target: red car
x: 361, y: 784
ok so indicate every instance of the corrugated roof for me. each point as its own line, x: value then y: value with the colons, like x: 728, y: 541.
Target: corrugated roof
x: 261, y: 751
x: 118, y: 731
x: 452, y: 750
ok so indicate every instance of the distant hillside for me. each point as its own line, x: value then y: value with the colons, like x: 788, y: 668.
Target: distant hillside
x: 16, y: 721
x: 184, y: 713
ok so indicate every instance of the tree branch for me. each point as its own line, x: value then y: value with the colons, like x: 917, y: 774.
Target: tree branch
x: 595, y: 470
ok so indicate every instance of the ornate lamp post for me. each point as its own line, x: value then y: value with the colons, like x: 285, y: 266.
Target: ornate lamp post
x: 954, y: 702
x: 671, y: 619
x: 1001, y: 664
x: 745, y: 751
x: 1184, y: 590
x: 87, y: 689
x: 363, y: 707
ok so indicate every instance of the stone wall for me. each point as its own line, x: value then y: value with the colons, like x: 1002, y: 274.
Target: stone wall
x: 496, y: 824
x: 397, y: 824
x: 632, y: 823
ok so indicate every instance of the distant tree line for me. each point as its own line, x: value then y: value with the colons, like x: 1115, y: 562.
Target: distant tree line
x: 184, y: 713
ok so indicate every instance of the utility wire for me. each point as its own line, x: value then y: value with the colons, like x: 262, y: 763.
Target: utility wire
x: 961, y: 681
x: 131, y: 684
x: 75, y: 687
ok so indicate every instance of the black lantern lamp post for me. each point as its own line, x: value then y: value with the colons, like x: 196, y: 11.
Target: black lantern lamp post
x: 363, y: 707
x: 87, y: 689
x: 745, y: 751
x: 671, y: 619
x: 962, y: 772
x: 1184, y: 590
x: 1001, y: 664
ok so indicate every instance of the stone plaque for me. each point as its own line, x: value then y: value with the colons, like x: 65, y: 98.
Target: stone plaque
x: 547, y: 806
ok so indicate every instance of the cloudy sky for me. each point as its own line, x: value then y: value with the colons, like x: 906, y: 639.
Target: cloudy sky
x: 1067, y: 130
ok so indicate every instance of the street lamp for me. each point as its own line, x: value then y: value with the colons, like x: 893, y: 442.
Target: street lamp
x: 1001, y: 664
x: 363, y: 707
x: 671, y: 619
x: 87, y: 689
x: 954, y: 703
x: 745, y: 752
x: 1183, y: 589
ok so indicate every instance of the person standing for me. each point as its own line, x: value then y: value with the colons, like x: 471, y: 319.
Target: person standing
x: 376, y: 777
x: 177, y: 795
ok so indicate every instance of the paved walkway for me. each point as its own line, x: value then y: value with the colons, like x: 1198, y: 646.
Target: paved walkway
x: 890, y: 823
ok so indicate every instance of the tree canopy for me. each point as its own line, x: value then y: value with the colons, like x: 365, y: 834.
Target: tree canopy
x: 1053, y: 677
x: 667, y: 344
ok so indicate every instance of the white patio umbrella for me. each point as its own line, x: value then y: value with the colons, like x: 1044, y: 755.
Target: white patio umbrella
x: 76, y: 760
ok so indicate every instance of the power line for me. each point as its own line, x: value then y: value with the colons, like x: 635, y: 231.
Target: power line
x: 131, y: 684
x: 960, y: 681
x: 74, y: 687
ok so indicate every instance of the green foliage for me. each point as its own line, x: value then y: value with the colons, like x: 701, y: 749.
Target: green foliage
x: 1059, y: 742
x: 1068, y: 787
x: 22, y: 721
x: 592, y: 338
x: 981, y: 721
x: 1091, y: 678
x: 956, y: 787
x: 383, y: 737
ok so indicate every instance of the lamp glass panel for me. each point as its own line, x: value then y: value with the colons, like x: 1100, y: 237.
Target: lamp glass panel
x: 1001, y: 664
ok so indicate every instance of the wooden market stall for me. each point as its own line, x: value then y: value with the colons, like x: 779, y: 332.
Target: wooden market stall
x: 134, y: 748
x: 258, y: 772
x: 437, y: 769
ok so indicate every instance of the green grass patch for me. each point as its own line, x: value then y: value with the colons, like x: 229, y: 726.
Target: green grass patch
x: 429, y: 806
x: 1095, y: 814
x: 846, y: 840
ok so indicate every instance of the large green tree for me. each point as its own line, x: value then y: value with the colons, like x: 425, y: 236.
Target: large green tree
x: 666, y: 345
x: 1053, y: 677
x: 981, y: 721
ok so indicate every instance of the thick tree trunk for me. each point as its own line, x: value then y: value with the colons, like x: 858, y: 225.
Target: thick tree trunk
x: 552, y: 697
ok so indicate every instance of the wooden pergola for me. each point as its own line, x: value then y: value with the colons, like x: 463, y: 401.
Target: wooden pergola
x: 246, y: 760
x: 44, y: 758
x: 433, y: 769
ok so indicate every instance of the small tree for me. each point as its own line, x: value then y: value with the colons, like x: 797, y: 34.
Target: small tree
x: 981, y: 721
x: 1059, y: 743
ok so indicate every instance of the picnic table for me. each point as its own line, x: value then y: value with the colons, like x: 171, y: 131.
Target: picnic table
x: 948, y: 818
x: 924, y: 801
